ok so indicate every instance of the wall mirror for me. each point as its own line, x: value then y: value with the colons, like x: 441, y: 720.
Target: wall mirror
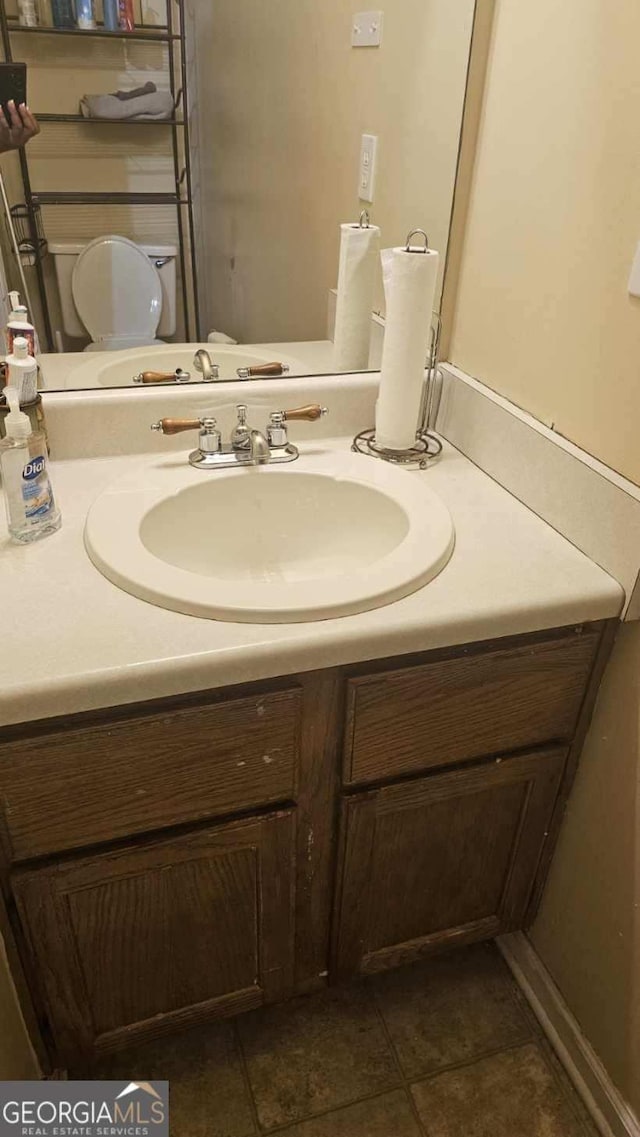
x: 230, y: 181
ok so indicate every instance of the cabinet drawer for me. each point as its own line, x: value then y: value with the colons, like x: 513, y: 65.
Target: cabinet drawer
x: 474, y: 704
x: 80, y: 787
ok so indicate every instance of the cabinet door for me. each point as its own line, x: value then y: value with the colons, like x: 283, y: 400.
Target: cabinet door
x: 136, y: 942
x: 441, y: 860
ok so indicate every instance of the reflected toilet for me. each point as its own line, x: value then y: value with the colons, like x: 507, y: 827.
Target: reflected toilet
x: 119, y: 293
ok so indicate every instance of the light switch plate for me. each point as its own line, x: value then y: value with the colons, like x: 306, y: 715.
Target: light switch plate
x: 634, y: 276
x: 366, y: 29
x: 368, y: 152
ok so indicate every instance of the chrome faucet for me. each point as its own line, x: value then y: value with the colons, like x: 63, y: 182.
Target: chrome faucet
x: 203, y: 363
x: 246, y: 447
x: 259, y: 448
x: 250, y: 442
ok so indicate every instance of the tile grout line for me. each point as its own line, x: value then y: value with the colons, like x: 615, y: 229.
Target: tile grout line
x: 282, y: 1130
x: 409, y: 1080
x: 535, y: 1035
x: 245, y: 1077
x: 520, y: 1000
x: 405, y: 1082
x: 538, y: 1042
x: 547, y: 1049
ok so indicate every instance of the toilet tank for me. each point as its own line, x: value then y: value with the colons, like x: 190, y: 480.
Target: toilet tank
x: 163, y: 257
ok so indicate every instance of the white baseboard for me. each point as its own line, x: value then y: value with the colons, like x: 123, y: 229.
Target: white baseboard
x: 606, y: 1105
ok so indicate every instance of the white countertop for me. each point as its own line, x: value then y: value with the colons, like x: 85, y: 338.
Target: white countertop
x: 72, y: 641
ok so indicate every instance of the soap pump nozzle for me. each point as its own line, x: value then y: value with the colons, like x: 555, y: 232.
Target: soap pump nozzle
x: 18, y: 310
x: 16, y: 423
x: 21, y: 348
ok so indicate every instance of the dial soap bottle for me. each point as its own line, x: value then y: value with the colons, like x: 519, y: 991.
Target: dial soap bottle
x: 29, y: 501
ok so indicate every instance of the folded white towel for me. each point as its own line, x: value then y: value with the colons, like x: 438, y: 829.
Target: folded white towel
x: 143, y: 103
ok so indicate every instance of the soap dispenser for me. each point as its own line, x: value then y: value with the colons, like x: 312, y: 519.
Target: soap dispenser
x: 20, y: 325
x: 23, y: 371
x: 29, y: 501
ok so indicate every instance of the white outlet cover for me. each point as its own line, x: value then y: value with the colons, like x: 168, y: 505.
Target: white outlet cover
x: 367, y: 169
x: 366, y: 29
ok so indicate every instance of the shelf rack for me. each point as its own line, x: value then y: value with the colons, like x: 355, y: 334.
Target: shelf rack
x: 69, y: 197
x: 109, y: 121
x: 155, y: 34
x: 181, y: 198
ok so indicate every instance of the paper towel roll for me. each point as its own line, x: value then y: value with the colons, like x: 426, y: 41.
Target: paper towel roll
x: 410, y: 286
x: 359, y: 247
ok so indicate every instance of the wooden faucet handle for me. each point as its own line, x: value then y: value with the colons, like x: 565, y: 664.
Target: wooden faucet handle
x: 266, y: 369
x: 177, y: 376
x: 176, y: 425
x: 155, y: 377
x: 306, y: 414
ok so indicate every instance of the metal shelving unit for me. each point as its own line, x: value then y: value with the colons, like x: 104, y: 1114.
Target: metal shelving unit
x: 178, y: 126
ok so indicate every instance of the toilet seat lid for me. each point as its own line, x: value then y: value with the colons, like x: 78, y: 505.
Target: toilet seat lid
x: 116, y: 290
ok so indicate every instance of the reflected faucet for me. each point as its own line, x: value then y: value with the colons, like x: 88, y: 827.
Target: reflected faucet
x: 202, y: 363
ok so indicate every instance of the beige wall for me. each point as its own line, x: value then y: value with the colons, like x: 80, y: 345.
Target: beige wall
x: 17, y: 1059
x: 543, y: 316
x: 283, y: 102
x: 543, y: 312
x: 588, y: 930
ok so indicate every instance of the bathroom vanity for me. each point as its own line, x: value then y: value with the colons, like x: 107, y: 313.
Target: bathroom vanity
x: 198, y: 817
x: 187, y: 858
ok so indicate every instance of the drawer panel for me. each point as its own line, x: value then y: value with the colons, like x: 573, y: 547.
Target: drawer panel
x: 84, y: 786
x: 454, y: 709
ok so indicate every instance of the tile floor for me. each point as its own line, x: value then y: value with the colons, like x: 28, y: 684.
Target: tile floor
x: 444, y: 1048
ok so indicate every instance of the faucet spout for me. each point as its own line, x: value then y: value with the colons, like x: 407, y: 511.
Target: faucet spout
x: 202, y: 363
x: 258, y: 448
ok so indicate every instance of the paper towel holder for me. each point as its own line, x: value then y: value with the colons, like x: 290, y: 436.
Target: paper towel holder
x: 364, y: 222
x: 417, y: 233
x: 424, y: 450
x: 427, y: 445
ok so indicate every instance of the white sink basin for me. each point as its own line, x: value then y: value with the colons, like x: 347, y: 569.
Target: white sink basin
x: 117, y: 368
x: 326, y: 536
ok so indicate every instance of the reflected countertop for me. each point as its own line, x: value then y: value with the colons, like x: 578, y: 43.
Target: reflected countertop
x: 58, y: 369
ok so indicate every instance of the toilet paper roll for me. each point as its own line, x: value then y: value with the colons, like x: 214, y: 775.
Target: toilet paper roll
x: 410, y: 286
x: 359, y: 266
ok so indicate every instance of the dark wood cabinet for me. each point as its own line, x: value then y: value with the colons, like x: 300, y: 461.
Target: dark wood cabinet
x: 83, y: 784
x: 177, y: 861
x: 440, y: 860
x: 466, y: 704
x: 135, y: 942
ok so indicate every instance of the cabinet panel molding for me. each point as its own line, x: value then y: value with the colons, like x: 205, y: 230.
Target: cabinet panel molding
x: 132, y: 943
x: 444, y: 859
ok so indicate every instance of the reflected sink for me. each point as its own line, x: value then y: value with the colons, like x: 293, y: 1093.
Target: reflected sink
x: 117, y: 368
x: 329, y: 535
